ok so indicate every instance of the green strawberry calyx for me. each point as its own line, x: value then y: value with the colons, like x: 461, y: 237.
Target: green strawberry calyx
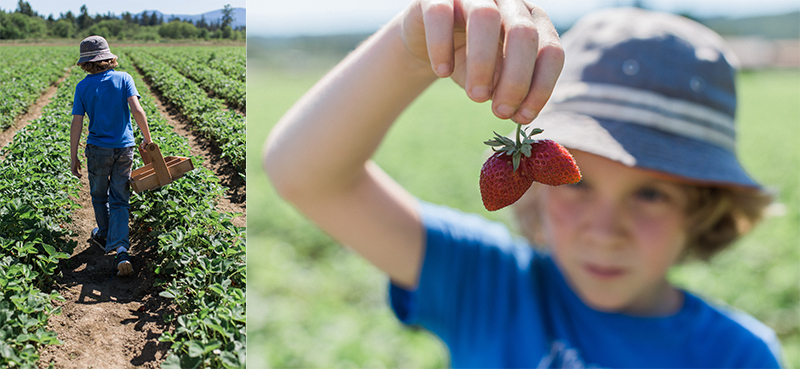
x: 516, y: 149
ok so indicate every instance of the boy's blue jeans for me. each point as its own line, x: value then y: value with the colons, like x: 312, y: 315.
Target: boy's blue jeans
x: 109, y: 172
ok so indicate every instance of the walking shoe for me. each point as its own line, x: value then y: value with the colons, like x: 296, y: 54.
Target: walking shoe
x: 124, y: 266
x: 96, y: 238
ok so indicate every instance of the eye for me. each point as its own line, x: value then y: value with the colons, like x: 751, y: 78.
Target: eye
x: 651, y: 194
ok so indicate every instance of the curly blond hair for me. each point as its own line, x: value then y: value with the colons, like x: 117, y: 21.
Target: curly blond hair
x: 717, y: 217
x: 99, y: 66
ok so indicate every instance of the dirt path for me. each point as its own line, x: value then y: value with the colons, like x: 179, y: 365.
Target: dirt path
x: 114, y: 322
x: 106, y: 321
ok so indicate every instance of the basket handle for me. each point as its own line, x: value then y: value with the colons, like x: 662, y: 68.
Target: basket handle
x: 160, y: 166
x: 145, y: 155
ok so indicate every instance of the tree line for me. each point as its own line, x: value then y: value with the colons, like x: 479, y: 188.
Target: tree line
x: 26, y: 23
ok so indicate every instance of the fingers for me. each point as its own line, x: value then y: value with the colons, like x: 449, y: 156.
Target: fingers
x: 483, y: 35
x: 511, y: 55
x: 76, y: 169
x: 532, y: 62
x: 520, y: 52
x: 548, y: 65
x: 437, y: 16
x: 520, y: 78
x: 545, y: 75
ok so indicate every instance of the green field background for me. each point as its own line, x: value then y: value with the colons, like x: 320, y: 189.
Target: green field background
x: 313, y: 304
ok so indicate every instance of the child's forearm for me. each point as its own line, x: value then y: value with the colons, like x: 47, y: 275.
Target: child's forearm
x: 75, y: 135
x: 141, y: 121
x: 324, y: 141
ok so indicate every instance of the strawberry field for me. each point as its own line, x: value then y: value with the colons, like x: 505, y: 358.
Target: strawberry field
x: 189, y: 289
x: 182, y: 81
x: 25, y: 75
x: 320, y: 305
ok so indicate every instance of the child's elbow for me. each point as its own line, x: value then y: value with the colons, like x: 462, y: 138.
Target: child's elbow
x: 139, y: 111
x: 279, y: 170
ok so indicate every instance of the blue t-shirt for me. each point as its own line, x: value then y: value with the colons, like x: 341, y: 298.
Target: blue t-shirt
x: 497, y: 302
x: 104, y: 98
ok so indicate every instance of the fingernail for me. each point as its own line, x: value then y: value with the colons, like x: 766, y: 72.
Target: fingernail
x: 443, y: 69
x: 480, y: 92
x: 505, y: 111
x: 528, y: 115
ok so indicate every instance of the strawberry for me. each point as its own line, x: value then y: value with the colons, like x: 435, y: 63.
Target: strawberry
x: 500, y: 184
x: 551, y: 164
x: 503, y: 181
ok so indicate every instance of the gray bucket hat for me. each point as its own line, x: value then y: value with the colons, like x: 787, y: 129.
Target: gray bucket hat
x: 649, y: 90
x: 94, y: 48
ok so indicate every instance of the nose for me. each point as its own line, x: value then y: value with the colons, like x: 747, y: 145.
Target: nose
x: 604, y: 223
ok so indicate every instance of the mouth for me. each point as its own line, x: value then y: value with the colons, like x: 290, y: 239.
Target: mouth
x: 604, y: 272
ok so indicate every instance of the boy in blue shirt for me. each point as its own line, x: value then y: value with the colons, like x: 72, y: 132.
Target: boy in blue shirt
x: 646, y: 105
x: 108, y: 98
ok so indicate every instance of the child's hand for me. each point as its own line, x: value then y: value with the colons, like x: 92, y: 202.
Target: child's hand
x: 504, y: 50
x: 143, y: 145
x: 75, y: 167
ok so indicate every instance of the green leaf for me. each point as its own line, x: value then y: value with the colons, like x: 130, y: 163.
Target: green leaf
x: 166, y: 294
x: 211, y: 346
x: 7, y: 351
x: 172, y: 362
x: 229, y: 360
x: 50, y: 249
x: 195, y: 349
x: 526, y: 149
x: 217, y: 288
x: 188, y: 362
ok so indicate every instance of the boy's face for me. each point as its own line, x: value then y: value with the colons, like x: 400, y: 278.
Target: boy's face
x: 615, y: 234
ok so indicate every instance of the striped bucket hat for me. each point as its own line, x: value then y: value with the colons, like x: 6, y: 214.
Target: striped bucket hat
x: 94, y: 48
x: 650, y: 90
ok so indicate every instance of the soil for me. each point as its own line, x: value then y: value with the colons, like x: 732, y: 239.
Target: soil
x: 106, y: 321
x: 114, y: 322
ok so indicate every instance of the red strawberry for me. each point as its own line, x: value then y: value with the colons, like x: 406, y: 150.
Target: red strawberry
x: 551, y: 164
x: 503, y: 181
x: 500, y: 184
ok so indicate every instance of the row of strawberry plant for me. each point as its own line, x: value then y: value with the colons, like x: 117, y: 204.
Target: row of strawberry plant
x: 36, y: 202
x: 230, y: 60
x: 201, y: 255
x: 233, y: 62
x: 231, y: 90
x: 227, y: 128
x: 27, y: 71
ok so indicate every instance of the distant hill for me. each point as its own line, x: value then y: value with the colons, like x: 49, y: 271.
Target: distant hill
x: 239, y: 14
x: 776, y: 27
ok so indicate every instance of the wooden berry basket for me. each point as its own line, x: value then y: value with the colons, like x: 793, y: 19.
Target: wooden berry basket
x: 158, y: 170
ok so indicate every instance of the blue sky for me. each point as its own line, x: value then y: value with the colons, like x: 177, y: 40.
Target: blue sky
x: 283, y: 18
x: 56, y: 7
